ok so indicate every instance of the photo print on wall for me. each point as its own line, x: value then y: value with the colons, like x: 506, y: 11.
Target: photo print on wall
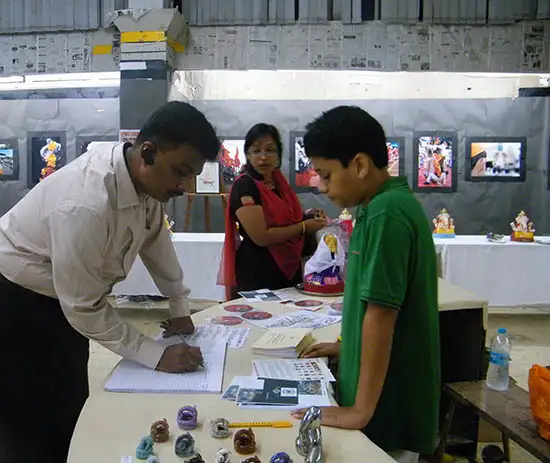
x: 82, y: 142
x: 9, y: 160
x: 496, y: 159
x: 435, y: 169
x: 302, y: 175
x: 232, y: 158
x: 396, y: 156
x: 46, y: 153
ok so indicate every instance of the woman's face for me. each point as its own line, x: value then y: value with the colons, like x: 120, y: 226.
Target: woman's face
x: 263, y: 155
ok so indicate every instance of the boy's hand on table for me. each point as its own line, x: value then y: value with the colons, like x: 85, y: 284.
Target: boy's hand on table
x: 180, y: 358
x: 339, y: 417
x: 180, y: 325
x: 322, y: 349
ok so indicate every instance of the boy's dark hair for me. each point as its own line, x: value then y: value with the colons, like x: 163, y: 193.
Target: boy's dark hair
x: 178, y: 123
x: 343, y: 132
x: 263, y: 130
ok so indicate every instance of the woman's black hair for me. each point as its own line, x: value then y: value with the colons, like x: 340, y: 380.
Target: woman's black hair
x: 259, y: 131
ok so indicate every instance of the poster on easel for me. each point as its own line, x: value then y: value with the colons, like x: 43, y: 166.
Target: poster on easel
x: 128, y: 135
x: 83, y: 141
x: 9, y: 160
x: 46, y: 153
x: 208, y: 181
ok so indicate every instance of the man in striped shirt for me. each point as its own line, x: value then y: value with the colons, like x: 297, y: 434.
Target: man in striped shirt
x: 62, y: 249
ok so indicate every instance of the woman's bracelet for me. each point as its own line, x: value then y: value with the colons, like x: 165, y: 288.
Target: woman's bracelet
x: 303, y: 227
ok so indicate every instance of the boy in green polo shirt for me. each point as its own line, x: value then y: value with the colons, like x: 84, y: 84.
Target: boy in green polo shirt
x: 389, y: 378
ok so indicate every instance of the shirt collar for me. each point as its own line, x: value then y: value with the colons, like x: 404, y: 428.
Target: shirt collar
x: 390, y: 184
x: 126, y: 193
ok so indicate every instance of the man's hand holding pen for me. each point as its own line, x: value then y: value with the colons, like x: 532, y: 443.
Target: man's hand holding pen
x: 180, y: 358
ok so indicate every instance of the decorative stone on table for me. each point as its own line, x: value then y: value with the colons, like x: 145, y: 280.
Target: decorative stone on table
x: 160, y: 430
x: 245, y: 441
x: 223, y: 456
x: 309, y: 442
x: 522, y: 228
x: 444, y: 225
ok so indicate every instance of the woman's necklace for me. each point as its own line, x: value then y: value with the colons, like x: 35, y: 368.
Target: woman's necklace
x: 270, y: 184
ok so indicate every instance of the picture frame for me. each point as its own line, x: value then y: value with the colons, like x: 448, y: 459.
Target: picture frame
x: 435, y: 162
x: 82, y: 142
x: 496, y: 159
x: 9, y: 159
x: 38, y: 151
x: 396, y: 143
x: 302, y: 176
x: 208, y: 182
x: 231, y: 159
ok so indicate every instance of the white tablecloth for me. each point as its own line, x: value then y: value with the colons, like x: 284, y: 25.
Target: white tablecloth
x: 507, y: 274
x: 199, y: 256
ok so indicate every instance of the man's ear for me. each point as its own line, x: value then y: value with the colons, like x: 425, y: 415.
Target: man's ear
x: 362, y: 165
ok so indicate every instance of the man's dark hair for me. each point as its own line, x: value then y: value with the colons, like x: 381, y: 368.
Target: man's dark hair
x: 343, y: 132
x: 259, y: 131
x: 178, y: 123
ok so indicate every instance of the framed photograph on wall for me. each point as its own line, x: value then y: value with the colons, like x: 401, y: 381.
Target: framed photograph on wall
x: 496, y: 159
x: 231, y: 158
x: 303, y: 177
x: 396, y: 156
x: 9, y: 160
x: 47, y: 153
x: 208, y: 182
x: 82, y: 142
x: 434, y: 168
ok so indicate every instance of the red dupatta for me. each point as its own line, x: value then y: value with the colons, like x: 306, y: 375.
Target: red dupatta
x: 279, y: 211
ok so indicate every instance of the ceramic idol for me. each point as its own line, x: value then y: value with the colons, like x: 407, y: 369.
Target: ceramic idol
x: 444, y: 225
x: 324, y: 271
x: 522, y: 228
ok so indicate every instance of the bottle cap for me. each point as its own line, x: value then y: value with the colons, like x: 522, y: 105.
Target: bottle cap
x: 501, y: 331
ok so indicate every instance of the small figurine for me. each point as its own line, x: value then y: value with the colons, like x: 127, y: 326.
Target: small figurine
x: 160, y: 430
x: 244, y: 441
x: 145, y: 448
x: 187, y: 417
x: 346, y: 222
x: 522, y: 228
x: 309, y: 442
x: 185, y: 445
x: 444, y: 225
x: 281, y: 457
x: 253, y: 459
x: 223, y: 456
x: 196, y: 459
x: 153, y: 459
x: 324, y: 270
x: 169, y: 224
x: 219, y: 428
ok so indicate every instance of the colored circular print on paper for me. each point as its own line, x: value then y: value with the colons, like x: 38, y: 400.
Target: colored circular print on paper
x: 238, y: 308
x: 225, y: 320
x: 308, y: 303
x: 337, y: 306
x: 256, y: 315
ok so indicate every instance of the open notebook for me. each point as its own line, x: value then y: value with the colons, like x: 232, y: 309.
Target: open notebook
x: 129, y: 376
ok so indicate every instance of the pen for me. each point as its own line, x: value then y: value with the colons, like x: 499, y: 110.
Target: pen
x: 262, y: 424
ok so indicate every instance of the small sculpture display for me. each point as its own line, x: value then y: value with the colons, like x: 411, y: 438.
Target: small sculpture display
x: 223, y: 456
x: 145, y: 448
x: 444, y: 225
x: 309, y: 442
x: 245, y: 441
x: 187, y: 417
x: 160, y: 431
x: 219, y: 428
x: 253, y: 459
x: 184, y: 445
x: 324, y: 271
x: 522, y: 228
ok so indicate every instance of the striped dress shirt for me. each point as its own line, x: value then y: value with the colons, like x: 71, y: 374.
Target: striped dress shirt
x: 77, y: 233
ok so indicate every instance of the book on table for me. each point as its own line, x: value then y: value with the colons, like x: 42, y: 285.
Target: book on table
x: 283, y: 342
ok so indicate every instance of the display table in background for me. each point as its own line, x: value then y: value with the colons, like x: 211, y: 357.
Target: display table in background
x: 111, y: 424
x: 198, y: 254
x: 507, y: 274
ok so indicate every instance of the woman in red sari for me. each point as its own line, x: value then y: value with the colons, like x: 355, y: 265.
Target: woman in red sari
x: 267, y: 249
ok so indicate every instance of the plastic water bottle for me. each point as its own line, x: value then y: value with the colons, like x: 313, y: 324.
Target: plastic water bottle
x: 498, y: 375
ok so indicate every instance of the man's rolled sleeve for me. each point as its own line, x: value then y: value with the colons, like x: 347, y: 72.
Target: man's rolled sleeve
x: 160, y: 259
x: 387, y: 253
x: 77, y: 241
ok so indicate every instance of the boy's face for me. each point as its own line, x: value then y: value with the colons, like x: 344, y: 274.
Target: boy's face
x: 345, y: 186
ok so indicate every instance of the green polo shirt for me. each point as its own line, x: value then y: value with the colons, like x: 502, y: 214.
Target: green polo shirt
x: 392, y: 262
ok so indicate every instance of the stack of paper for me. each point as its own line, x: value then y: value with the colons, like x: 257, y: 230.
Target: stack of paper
x: 280, y: 394
x: 283, y: 342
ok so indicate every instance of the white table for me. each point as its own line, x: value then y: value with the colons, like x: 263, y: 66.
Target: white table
x: 510, y: 274
x: 199, y: 256
x: 111, y: 424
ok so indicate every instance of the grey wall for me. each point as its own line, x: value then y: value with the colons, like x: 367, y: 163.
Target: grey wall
x: 76, y: 117
x: 476, y: 207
